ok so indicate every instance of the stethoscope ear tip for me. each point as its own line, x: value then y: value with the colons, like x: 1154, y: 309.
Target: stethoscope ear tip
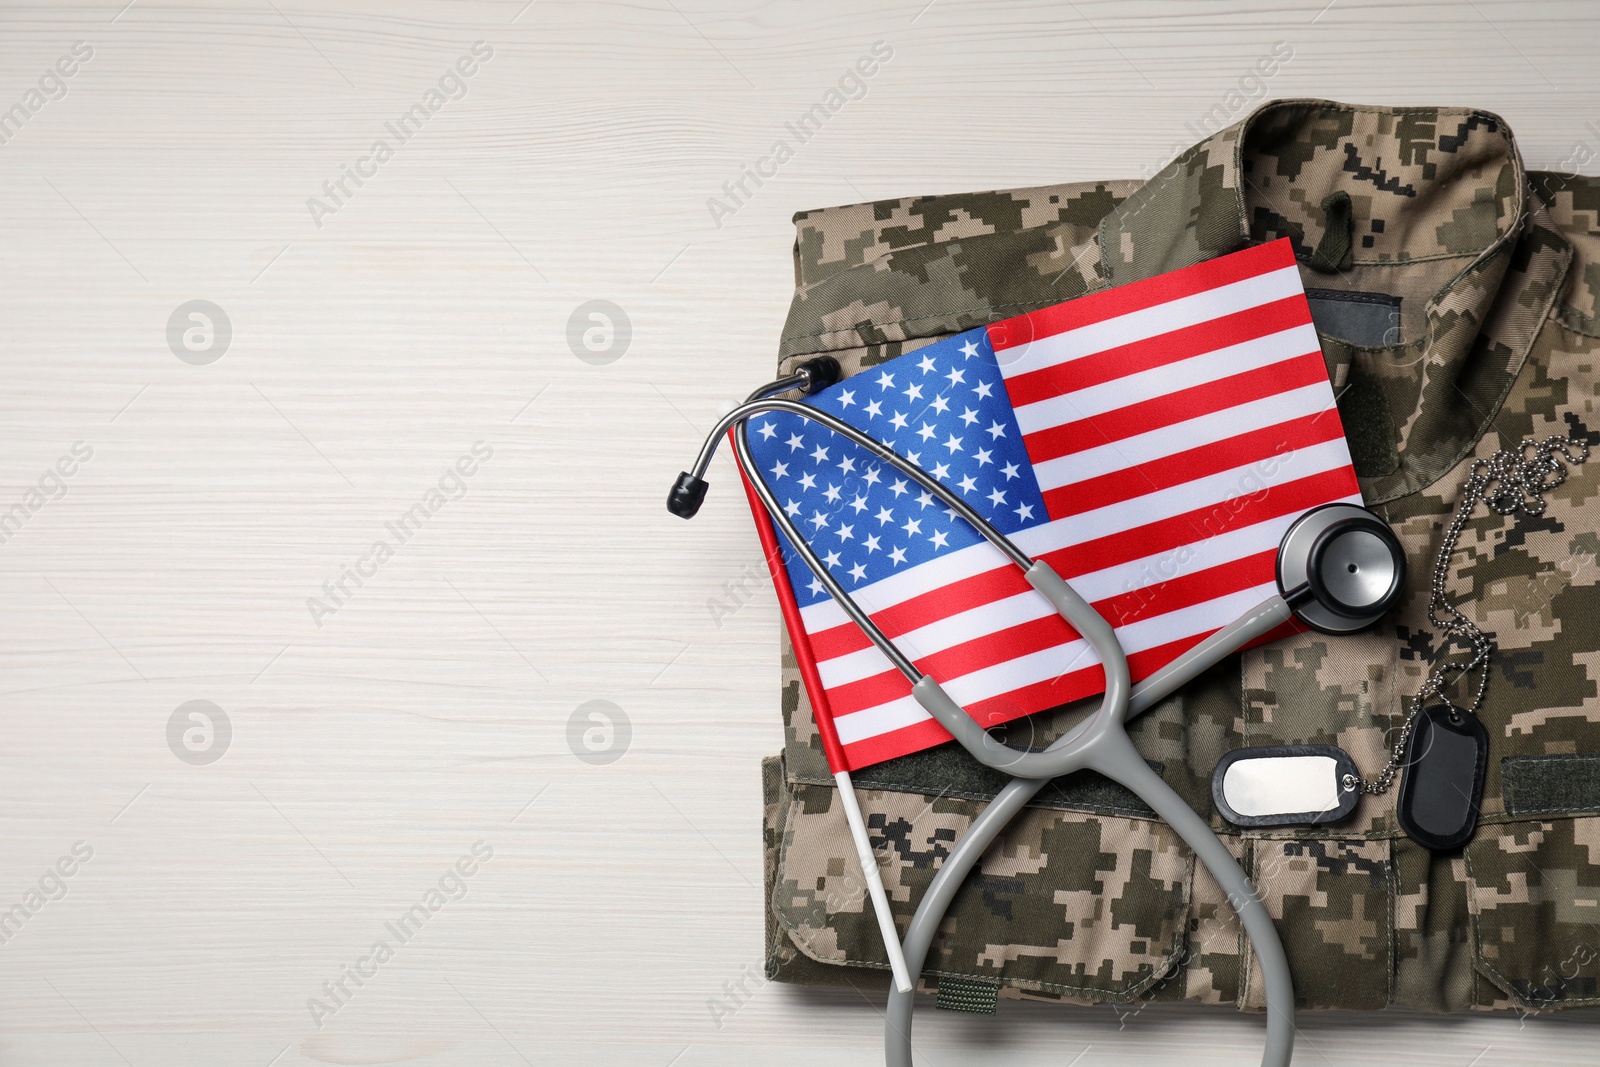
x: 820, y: 372
x: 688, y: 493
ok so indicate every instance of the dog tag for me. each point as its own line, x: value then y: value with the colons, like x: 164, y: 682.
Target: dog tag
x: 1285, y: 785
x: 1443, y: 778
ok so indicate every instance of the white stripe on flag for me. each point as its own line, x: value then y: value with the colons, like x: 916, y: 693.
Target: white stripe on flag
x: 1129, y: 453
x: 1052, y: 663
x: 1192, y: 558
x: 935, y: 637
x: 1038, y: 666
x: 1172, y: 378
x: 898, y: 588
x: 990, y: 618
x: 1096, y: 586
x: 1063, y: 533
x: 883, y: 719
x: 1195, y: 619
x: 1010, y: 611
x: 1151, y: 322
x: 1209, y: 490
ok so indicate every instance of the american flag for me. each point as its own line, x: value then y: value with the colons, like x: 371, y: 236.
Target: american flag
x: 1151, y: 442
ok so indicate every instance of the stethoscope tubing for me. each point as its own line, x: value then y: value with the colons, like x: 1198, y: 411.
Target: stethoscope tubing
x: 1099, y: 743
x: 1149, y: 786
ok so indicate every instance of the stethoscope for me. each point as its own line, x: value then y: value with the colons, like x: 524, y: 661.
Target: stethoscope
x: 1339, y: 569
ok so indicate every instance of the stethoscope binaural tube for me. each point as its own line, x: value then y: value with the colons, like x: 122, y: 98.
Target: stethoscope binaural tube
x: 927, y: 692
x: 689, y: 491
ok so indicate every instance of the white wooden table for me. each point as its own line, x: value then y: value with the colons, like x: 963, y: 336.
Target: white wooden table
x: 375, y: 737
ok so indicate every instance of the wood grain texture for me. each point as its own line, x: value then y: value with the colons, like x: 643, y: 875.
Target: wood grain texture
x: 428, y: 313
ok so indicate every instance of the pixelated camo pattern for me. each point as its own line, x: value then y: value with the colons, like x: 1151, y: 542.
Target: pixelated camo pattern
x: 1498, y: 272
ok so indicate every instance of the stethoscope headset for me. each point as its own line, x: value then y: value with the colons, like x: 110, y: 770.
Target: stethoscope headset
x: 1339, y: 570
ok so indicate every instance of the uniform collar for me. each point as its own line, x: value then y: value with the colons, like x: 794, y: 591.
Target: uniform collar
x: 1386, y: 192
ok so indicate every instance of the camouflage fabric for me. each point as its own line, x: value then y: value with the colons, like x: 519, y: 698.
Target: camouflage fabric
x: 1089, y: 899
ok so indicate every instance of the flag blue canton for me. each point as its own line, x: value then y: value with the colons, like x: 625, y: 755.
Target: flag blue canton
x: 944, y: 407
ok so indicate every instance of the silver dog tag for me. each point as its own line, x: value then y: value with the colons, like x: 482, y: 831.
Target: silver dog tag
x: 1285, y: 785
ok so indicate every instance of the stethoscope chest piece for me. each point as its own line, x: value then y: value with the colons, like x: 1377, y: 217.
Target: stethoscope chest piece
x: 1340, y: 568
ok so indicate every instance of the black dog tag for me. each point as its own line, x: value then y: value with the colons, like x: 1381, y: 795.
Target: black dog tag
x: 1443, y: 783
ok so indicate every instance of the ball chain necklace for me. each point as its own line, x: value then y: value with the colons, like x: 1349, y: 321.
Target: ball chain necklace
x: 1447, y: 745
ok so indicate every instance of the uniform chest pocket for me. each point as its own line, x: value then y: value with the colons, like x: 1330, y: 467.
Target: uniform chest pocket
x: 1065, y: 905
x: 1534, y: 899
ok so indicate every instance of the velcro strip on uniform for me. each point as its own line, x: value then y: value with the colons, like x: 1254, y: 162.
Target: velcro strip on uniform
x: 949, y: 771
x: 976, y: 996
x: 1547, y: 785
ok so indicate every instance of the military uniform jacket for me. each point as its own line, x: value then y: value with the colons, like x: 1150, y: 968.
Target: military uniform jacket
x: 1457, y: 297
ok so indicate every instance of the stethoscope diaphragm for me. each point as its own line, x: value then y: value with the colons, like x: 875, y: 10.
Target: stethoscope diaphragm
x: 1340, y: 568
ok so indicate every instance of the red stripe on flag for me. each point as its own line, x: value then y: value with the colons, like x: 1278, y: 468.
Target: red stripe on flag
x: 987, y: 650
x: 869, y: 692
x: 1084, y: 682
x: 1009, y: 706
x: 1146, y: 415
x: 1187, y: 590
x: 1151, y: 352
x: 1139, y: 295
x: 1212, y: 458
x: 895, y: 743
x: 1052, y: 631
x: 1092, y: 680
x: 1048, y: 694
x: 1170, y: 534
x: 1165, y: 535
x: 971, y: 592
